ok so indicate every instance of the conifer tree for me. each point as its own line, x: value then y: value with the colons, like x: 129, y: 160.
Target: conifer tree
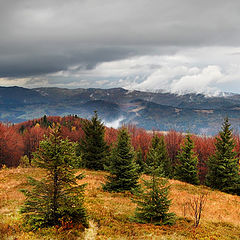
x: 223, y: 167
x: 57, y: 197
x: 44, y: 122
x: 158, y: 156
x: 153, y: 201
x: 93, y: 147
x: 139, y: 160
x: 186, y: 169
x: 123, y: 168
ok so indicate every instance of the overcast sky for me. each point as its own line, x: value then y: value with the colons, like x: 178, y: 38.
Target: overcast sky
x: 175, y: 45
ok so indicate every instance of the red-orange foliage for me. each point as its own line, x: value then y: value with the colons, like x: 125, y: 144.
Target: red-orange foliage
x: 74, y: 134
x: 204, y: 147
x: 140, y: 139
x: 11, y: 146
x: 24, y: 138
x: 237, y: 147
x: 31, y: 138
x: 34, y: 131
x: 173, y: 141
x: 111, y: 135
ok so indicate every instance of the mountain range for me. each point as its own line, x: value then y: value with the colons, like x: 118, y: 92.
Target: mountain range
x: 162, y: 111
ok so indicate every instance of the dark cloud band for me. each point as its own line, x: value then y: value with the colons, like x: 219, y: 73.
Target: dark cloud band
x: 41, y: 37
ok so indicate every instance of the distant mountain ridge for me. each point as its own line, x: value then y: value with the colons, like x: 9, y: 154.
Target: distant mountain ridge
x: 151, y: 110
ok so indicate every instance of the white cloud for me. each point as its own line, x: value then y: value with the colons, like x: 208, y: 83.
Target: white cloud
x: 102, y: 82
x: 7, y: 82
x: 200, y: 82
x: 160, y: 79
x: 202, y: 70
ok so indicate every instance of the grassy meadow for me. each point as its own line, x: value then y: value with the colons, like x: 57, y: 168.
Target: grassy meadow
x: 110, y: 213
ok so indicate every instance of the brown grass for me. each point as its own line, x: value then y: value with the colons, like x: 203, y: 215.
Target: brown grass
x: 110, y: 213
x: 220, y: 207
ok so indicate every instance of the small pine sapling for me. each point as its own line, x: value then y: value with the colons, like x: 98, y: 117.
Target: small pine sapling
x: 56, y: 198
x: 153, y: 201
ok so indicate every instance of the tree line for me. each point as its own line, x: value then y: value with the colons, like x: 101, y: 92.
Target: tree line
x: 58, y: 198
x: 23, y: 139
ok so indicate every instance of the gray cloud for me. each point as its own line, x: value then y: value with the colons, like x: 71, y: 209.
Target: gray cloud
x: 110, y: 43
x: 39, y: 37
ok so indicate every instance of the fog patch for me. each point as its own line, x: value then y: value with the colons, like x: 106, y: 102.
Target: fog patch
x: 115, y: 123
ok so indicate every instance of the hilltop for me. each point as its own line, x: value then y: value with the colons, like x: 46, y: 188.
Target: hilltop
x: 109, y: 212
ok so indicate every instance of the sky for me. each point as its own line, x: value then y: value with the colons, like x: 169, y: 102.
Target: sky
x: 175, y: 46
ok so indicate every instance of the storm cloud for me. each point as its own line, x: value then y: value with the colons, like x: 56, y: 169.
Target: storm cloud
x: 76, y: 43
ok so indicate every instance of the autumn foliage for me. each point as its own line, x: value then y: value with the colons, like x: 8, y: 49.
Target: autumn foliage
x: 11, y: 146
x: 23, y: 139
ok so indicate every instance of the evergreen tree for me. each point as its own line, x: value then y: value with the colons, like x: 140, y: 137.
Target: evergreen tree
x: 186, y: 169
x: 158, y: 156
x: 152, y: 200
x: 44, y: 122
x: 139, y: 160
x: 93, y: 147
x: 123, y: 168
x: 21, y: 129
x: 57, y: 197
x: 223, y: 167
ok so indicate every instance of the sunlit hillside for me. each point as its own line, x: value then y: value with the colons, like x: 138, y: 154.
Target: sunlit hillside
x: 110, y: 213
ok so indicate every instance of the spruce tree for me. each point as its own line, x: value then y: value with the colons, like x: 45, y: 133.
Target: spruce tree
x: 57, y: 197
x: 158, y: 156
x: 139, y: 160
x: 186, y: 169
x: 153, y: 201
x: 123, y: 168
x: 93, y: 148
x: 44, y: 122
x: 223, y: 167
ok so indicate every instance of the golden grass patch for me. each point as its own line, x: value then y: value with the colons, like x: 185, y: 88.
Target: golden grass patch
x: 110, y: 213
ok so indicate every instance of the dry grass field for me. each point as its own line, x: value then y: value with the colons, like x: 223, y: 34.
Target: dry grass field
x: 110, y: 213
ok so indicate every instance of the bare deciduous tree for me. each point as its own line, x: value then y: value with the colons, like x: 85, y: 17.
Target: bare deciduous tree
x: 197, y: 204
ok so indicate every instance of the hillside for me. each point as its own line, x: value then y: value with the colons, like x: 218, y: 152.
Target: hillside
x: 109, y: 212
x: 196, y: 113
